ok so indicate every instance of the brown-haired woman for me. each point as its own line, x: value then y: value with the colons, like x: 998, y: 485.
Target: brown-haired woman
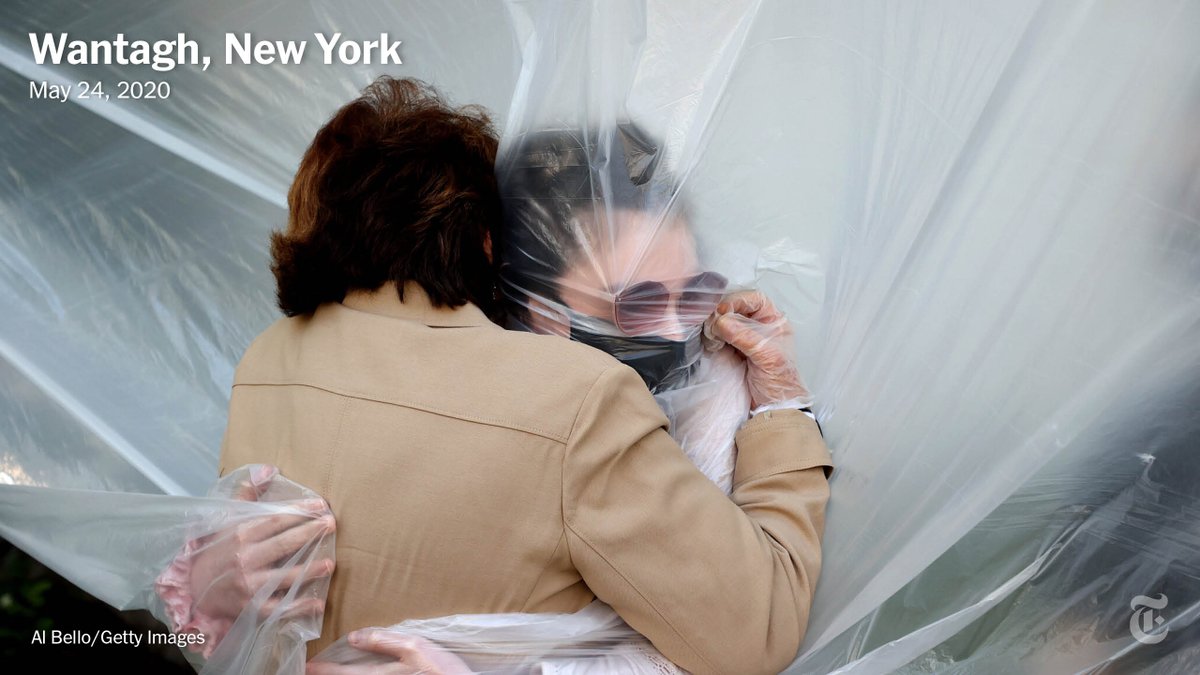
x: 477, y: 470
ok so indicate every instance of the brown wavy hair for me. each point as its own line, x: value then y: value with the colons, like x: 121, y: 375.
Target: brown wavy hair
x: 397, y: 186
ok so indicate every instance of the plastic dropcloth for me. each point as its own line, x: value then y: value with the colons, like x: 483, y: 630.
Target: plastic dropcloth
x: 983, y: 220
x: 119, y: 546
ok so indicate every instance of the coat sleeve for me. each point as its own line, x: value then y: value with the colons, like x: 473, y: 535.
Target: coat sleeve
x: 718, y: 584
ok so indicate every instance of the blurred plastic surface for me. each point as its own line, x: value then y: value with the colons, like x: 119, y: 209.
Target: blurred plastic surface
x: 982, y: 218
x: 115, y: 545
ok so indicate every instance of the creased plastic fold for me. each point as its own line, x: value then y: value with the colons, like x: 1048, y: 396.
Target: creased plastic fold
x: 981, y: 219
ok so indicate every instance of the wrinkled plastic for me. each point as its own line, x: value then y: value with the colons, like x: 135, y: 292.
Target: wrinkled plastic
x: 750, y: 323
x: 127, y: 549
x: 119, y: 545
x: 212, y: 581
x: 982, y: 219
x: 593, y: 640
x: 598, y: 249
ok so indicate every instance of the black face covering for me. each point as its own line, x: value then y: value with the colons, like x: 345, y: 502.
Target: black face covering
x: 663, y: 364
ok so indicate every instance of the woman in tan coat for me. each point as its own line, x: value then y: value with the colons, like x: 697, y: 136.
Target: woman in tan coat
x: 473, y: 469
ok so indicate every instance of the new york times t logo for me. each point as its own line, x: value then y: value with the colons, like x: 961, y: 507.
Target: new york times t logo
x: 1145, y: 620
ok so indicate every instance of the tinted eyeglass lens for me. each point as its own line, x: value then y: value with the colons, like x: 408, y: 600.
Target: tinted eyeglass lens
x: 641, y: 307
x: 701, y: 295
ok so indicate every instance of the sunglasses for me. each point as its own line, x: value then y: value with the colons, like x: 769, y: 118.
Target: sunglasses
x: 642, y: 307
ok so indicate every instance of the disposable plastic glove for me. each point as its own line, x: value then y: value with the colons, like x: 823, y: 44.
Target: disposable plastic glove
x: 405, y: 655
x: 215, y: 577
x: 749, y: 322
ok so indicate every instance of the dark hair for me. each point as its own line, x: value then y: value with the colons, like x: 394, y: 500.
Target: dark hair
x: 397, y: 186
x: 548, y: 177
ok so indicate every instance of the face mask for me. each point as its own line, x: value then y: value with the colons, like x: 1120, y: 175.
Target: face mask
x: 663, y: 364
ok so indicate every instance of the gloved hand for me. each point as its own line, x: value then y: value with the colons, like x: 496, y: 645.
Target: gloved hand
x: 216, y: 576
x: 408, y: 655
x: 749, y: 322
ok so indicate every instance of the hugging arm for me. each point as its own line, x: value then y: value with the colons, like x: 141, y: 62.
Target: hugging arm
x: 216, y: 577
x: 717, y: 583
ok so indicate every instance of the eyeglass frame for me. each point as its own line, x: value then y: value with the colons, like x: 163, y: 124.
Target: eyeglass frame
x: 718, y: 291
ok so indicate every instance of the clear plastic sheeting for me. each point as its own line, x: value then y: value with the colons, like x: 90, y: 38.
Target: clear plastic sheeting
x: 147, y: 551
x: 982, y: 219
x: 119, y: 547
x: 592, y: 641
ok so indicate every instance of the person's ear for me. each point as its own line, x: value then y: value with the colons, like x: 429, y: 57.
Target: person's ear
x: 487, y: 246
x: 545, y: 319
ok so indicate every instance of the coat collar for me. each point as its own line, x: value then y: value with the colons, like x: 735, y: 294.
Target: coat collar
x: 416, y: 306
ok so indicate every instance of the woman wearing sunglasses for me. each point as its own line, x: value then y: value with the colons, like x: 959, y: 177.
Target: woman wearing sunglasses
x: 484, y: 472
x: 599, y: 248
